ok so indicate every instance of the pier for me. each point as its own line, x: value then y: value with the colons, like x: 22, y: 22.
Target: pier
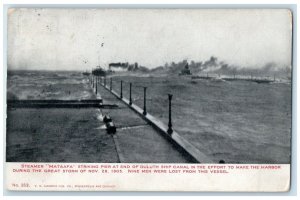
x: 178, y: 142
x: 56, y: 130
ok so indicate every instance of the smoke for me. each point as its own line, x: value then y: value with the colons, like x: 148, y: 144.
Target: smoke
x: 118, y: 65
x: 269, y: 69
x: 214, y: 66
x: 128, y: 67
x: 212, y: 62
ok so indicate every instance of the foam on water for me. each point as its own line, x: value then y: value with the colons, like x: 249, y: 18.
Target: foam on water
x: 43, y: 85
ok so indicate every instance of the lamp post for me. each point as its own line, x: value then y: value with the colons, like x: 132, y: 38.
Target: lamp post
x: 145, y: 110
x: 96, y: 84
x: 121, y: 95
x: 130, y: 98
x: 93, y: 81
x: 170, y: 130
x: 110, y: 84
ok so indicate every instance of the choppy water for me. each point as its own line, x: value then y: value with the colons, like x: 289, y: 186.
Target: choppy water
x: 237, y: 121
x: 47, y: 85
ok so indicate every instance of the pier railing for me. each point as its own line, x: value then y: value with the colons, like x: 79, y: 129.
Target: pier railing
x: 136, y: 93
x: 135, y: 96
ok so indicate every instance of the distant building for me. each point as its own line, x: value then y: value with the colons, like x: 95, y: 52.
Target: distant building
x: 186, y: 70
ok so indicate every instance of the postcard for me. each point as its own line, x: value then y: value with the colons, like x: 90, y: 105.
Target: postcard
x: 148, y: 99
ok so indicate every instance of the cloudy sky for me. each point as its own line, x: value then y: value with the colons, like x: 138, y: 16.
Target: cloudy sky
x: 79, y: 39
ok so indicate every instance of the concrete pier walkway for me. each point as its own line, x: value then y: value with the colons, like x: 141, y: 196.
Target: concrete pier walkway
x: 136, y: 140
x: 68, y: 133
x: 52, y: 134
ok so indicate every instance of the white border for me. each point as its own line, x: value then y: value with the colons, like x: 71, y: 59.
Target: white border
x: 65, y: 3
